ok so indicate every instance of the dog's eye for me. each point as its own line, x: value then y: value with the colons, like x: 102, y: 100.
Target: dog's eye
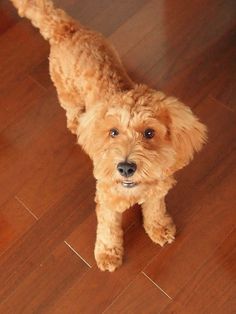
x: 149, y: 133
x: 114, y: 132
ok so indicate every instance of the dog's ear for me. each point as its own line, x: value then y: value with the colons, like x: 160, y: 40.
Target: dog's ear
x: 89, y: 129
x: 186, y: 133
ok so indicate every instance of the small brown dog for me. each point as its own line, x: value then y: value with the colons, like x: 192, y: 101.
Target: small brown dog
x: 137, y: 137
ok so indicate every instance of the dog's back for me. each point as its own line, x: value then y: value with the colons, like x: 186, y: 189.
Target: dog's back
x: 83, y: 66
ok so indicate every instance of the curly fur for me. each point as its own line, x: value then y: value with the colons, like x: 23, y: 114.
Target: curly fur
x: 98, y: 95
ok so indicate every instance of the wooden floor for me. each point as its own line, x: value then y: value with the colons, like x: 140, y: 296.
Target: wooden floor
x: 47, y: 219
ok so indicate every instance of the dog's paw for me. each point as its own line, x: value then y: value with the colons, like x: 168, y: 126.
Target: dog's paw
x: 161, y: 234
x: 109, y: 259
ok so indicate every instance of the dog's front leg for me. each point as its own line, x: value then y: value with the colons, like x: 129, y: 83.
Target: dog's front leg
x: 157, y: 222
x: 109, y: 242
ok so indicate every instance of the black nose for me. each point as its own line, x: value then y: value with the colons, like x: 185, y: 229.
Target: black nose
x: 126, y: 169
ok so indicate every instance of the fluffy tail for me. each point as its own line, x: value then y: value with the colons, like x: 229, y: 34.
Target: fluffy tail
x: 54, y: 24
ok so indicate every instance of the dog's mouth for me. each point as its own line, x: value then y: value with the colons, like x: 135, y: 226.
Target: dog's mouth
x: 128, y: 184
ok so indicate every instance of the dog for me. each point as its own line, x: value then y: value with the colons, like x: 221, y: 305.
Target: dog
x: 137, y: 137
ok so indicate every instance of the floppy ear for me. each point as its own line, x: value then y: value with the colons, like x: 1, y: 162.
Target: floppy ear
x: 186, y: 133
x: 89, y: 129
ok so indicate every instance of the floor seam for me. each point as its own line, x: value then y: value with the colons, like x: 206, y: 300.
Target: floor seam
x: 155, y: 284
x: 119, y: 294
x: 72, y: 249
x: 220, y: 103
x: 26, y: 207
x: 37, y: 82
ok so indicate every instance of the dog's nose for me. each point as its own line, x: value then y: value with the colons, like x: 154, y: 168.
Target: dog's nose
x: 126, y: 169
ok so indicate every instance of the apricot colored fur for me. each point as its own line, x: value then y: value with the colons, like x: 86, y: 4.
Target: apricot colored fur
x: 98, y: 95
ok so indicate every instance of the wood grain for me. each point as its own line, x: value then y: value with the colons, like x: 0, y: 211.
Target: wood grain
x: 213, y: 286
x: 36, y: 244
x: 105, y: 287
x: 133, y: 300
x: 47, y: 218
x: 8, y: 15
x: 49, y: 278
x: 15, y: 220
x: 172, y: 268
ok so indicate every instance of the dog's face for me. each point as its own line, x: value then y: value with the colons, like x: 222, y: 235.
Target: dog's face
x: 140, y: 137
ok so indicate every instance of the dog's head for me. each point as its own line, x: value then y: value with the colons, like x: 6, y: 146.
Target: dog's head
x: 140, y: 137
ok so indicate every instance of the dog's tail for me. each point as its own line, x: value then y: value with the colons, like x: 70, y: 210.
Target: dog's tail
x: 54, y: 24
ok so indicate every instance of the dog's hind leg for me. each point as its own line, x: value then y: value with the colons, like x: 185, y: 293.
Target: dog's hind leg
x: 157, y: 222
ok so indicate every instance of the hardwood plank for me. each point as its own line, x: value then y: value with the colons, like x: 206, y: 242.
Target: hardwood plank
x: 192, y: 58
x: 15, y: 66
x: 46, y: 283
x: 35, y: 245
x: 141, y: 296
x: 15, y: 105
x: 117, y: 14
x: 212, y: 220
x: 156, y: 44
x: 224, y: 87
x: 63, y: 167
x: 8, y: 14
x: 104, y: 287
x: 41, y: 74
x: 221, y: 130
x: 212, y: 289
x: 137, y: 27
x: 188, y: 50
x: 205, y: 74
x: 84, y: 10
x: 24, y: 142
x: 15, y: 220
x: 34, y: 129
